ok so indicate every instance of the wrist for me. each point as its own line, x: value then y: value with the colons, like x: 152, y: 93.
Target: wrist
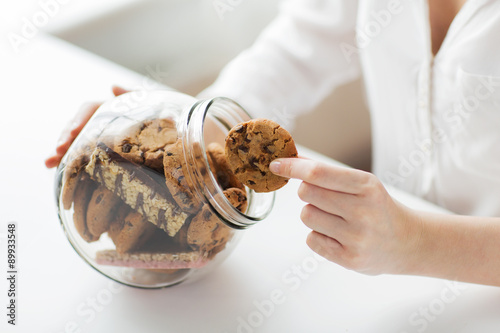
x: 412, y: 241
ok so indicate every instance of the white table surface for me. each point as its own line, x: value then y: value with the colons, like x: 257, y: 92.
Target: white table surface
x: 40, y: 89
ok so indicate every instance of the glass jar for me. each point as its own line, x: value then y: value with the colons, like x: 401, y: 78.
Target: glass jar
x: 144, y: 193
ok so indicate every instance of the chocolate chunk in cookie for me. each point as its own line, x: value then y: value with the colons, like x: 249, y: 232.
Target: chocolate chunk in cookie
x: 250, y: 148
x: 127, y: 145
x: 225, y: 177
x: 177, y: 178
x: 237, y: 198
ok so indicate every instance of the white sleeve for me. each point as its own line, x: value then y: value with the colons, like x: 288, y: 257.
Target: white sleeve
x: 296, y: 61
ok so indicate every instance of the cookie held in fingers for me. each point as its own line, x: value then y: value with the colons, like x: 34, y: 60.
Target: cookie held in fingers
x: 252, y: 146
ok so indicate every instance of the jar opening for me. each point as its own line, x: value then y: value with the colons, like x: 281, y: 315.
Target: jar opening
x: 209, y: 121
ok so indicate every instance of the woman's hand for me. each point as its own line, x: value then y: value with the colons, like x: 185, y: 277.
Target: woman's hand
x: 355, y: 222
x: 74, y: 128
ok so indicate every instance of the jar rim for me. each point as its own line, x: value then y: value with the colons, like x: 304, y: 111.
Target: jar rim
x: 227, y: 114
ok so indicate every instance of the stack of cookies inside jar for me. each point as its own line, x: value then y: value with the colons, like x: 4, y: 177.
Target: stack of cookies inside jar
x: 135, y: 189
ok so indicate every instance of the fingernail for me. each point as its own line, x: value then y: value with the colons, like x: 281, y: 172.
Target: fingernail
x: 275, y: 166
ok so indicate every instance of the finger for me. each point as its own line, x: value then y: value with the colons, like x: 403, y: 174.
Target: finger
x: 62, y: 142
x: 333, y: 202
x: 327, y: 224
x: 83, y: 117
x: 63, y: 147
x: 117, y: 91
x: 325, y: 246
x: 75, y: 127
x: 71, y: 131
x: 321, y: 174
x: 53, y: 161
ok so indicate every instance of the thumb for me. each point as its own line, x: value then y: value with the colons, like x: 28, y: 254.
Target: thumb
x: 282, y: 166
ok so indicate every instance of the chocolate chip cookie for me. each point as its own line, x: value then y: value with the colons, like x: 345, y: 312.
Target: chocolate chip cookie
x: 83, y: 194
x: 144, y: 143
x: 177, y: 179
x: 217, y: 158
x: 131, y: 233
x: 157, y: 133
x: 206, y: 231
x: 250, y: 148
x: 129, y: 149
x: 116, y: 225
x: 237, y: 198
x: 71, y: 176
x: 153, y: 138
x: 101, y: 210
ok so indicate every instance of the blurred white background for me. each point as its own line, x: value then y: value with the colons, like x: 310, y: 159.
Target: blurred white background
x: 188, y: 42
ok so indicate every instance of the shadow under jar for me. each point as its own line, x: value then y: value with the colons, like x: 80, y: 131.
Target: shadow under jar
x: 145, y: 195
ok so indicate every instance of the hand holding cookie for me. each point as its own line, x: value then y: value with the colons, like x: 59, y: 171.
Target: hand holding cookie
x: 250, y: 148
x: 354, y: 221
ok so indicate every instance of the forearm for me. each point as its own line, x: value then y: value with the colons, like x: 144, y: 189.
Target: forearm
x: 295, y: 62
x: 454, y: 247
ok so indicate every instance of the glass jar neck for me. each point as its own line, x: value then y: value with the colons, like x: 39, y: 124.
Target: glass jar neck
x: 205, y: 121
